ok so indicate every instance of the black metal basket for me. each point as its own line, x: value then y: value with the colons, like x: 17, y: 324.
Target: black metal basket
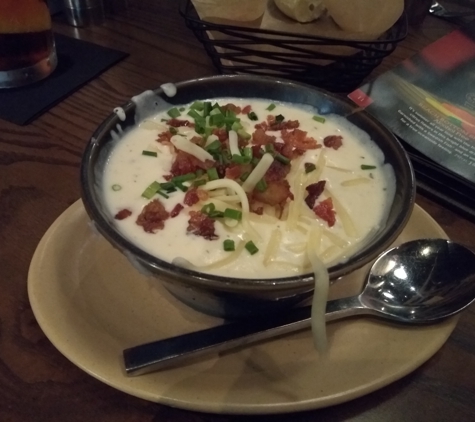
x: 235, y: 49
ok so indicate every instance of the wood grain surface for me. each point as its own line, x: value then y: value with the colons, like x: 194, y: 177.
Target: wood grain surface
x: 39, y: 179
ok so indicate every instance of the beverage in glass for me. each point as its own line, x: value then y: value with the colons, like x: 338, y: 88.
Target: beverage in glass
x: 27, y: 50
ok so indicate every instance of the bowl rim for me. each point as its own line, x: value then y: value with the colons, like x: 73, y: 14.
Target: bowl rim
x: 172, y: 271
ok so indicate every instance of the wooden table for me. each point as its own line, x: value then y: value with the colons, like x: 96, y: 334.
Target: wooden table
x: 39, y: 179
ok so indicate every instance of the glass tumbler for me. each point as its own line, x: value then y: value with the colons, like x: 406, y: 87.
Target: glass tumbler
x: 27, y: 50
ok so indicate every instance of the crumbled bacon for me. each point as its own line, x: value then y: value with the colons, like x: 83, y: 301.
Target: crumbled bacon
x: 314, y: 191
x: 180, y: 123
x: 200, y: 224
x: 259, y: 137
x: 235, y: 171
x: 325, y: 211
x: 276, y: 193
x: 277, y: 171
x: 333, y: 141
x: 247, y: 109
x: 231, y: 107
x: 221, y: 133
x: 299, y: 142
x: 272, y: 124
x: 186, y: 163
x: 122, y: 214
x: 165, y: 137
x: 176, y: 210
x: 153, y: 216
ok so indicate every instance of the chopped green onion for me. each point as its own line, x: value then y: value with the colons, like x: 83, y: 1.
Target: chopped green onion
x: 199, y: 172
x: 168, y: 186
x: 271, y: 107
x: 180, y: 186
x: 217, y: 120
x: 216, y: 105
x: 216, y: 214
x: 197, y: 105
x: 151, y: 190
x: 116, y: 188
x: 261, y: 185
x: 182, y: 109
x: 270, y: 148
x: 236, y: 126
x: 319, y: 119
x: 228, y: 245
x: 193, y: 113
x: 215, y: 111
x: 199, y: 182
x: 173, y: 130
x: 214, y: 146
x: 252, y: 116
x: 279, y: 118
x: 247, y: 152
x: 174, y: 113
x: 208, y: 208
x: 149, y: 153
x: 233, y: 214
x: 239, y: 159
x: 251, y: 248
x: 212, y: 173
x: 243, y: 134
x: 206, y: 108
x: 367, y: 167
x: 282, y: 159
x: 162, y: 194
x: 183, y: 178
x: 200, y: 125
x: 309, y: 167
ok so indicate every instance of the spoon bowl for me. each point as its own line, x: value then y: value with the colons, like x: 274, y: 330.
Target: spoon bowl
x: 419, y: 282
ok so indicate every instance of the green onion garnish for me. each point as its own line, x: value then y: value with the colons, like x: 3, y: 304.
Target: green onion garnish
x: 208, y: 208
x: 216, y: 214
x: 251, y: 248
x: 282, y: 159
x: 213, y: 146
x: 199, y: 182
x: 183, y: 178
x: 180, y: 186
x: 309, y: 167
x: 243, y: 134
x: 233, y: 214
x: 197, y: 105
x: 367, y: 167
x: 270, y: 148
x: 279, y: 118
x: 271, y: 107
x: 206, y: 108
x: 228, y: 245
x: 182, y: 109
x: 116, y: 188
x: 239, y: 159
x: 236, y: 126
x: 174, y: 113
x: 217, y: 120
x: 252, y: 116
x: 151, y: 190
x: 149, y: 153
x: 173, y: 130
x: 261, y: 185
x: 162, y: 194
x: 168, y: 186
x: 319, y: 119
x: 212, y: 173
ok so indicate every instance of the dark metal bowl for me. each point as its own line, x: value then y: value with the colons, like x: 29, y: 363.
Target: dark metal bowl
x: 236, y: 297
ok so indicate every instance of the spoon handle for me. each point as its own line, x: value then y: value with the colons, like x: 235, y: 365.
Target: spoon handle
x: 170, y: 351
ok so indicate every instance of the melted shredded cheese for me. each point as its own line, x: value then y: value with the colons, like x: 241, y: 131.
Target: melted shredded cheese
x: 185, y: 145
x: 258, y: 172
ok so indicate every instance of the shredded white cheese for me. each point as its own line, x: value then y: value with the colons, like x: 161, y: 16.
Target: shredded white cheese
x: 185, y: 145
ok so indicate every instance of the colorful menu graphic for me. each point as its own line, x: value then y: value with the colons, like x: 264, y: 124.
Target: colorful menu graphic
x: 429, y: 101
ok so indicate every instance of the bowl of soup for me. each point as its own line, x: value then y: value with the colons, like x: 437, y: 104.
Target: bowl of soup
x: 232, y: 190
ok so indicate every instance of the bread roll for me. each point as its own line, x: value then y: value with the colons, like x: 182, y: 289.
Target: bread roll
x: 301, y: 10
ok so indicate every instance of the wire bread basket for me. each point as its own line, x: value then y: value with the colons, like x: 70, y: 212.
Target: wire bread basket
x: 337, y: 65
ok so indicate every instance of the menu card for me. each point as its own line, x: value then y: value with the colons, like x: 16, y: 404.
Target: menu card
x: 428, y: 101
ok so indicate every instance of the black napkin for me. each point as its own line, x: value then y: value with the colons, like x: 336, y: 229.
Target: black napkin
x: 78, y: 63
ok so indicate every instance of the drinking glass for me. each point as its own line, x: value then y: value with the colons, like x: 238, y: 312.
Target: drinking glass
x: 27, y: 50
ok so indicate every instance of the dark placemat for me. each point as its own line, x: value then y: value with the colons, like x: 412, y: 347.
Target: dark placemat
x: 78, y: 63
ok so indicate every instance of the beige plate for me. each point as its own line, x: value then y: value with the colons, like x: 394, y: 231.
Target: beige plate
x: 92, y: 304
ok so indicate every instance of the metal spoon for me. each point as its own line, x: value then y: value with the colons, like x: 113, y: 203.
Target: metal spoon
x: 418, y: 282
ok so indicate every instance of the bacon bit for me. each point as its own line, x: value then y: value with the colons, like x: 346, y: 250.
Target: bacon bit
x: 186, y: 163
x: 259, y: 137
x: 191, y: 197
x: 299, y: 141
x: 276, y: 193
x: 263, y: 125
x: 221, y: 133
x: 333, y: 141
x: 325, y: 211
x: 235, y: 171
x: 153, y: 216
x: 277, y: 171
x: 176, y: 210
x: 231, y: 107
x: 122, y: 214
x: 200, y: 224
x: 180, y: 123
x: 286, y: 124
x: 165, y: 137
x: 257, y: 151
x: 314, y: 191
x: 246, y: 110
